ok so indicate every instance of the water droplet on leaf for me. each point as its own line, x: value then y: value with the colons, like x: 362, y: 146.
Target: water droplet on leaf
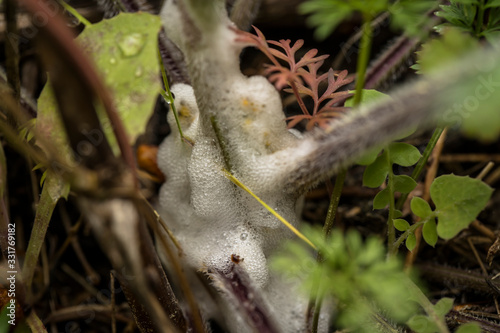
x: 131, y: 44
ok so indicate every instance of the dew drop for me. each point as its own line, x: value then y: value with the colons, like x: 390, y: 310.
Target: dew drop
x: 243, y: 236
x: 131, y: 44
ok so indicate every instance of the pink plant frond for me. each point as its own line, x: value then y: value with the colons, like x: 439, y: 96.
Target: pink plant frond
x: 309, y: 58
x: 294, y: 120
x: 301, y: 80
x: 301, y: 89
x: 338, y: 97
x: 331, y: 112
x: 279, y: 54
x: 343, y: 79
x: 290, y: 50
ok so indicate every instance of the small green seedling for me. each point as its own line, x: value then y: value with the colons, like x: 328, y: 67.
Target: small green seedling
x: 351, y: 271
x: 326, y: 15
x: 381, y: 168
x: 428, y: 323
x: 458, y: 201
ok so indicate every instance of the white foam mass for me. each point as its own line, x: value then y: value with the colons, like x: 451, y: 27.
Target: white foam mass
x: 210, y: 216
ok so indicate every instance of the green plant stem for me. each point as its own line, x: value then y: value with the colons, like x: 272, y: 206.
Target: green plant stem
x: 222, y: 144
x: 421, y: 163
x: 363, y: 58
x: 361, y: 67
x: 75, y: 13
x: 299, y: 98
x: 167, y: 95
x: 395, y: 246
x: 334, y: 202
x: 53, y: 189
x: 391, y: 232
x: 317, y: 310
x: 427, y: 306
x: 327, y: 228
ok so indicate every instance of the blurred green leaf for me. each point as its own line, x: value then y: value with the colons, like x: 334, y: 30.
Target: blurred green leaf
x: 443, y: 306
x: 469, y: 328
x: 422, y: 324
x: 124, y: 50
x: 356, y: 274
x: 452, y: 45
x: 410, y: 15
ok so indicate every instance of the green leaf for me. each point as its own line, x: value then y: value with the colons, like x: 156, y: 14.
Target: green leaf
x: 53, y: 189
x: 420, y: 207
x: 440, y: 51
x: 443, y: 306
x: 492, y: 3
x: 369, y: 157
x: 403, y: 154
x: 368, y: 96
x: 469, y: 328
x: 473, y: 103
x: 458, y: 201
x: 422, y: 324
x: 410, y: 15
x: 459, y: 15
x: 325, y: 16
x: 401, y: 225
x: 376, y: 173
x: 429, y: 232
x: 124, y: 50
x: 411, y: 242
x: 397, y: 213
x: 404, y: 183
x: 381, y: 200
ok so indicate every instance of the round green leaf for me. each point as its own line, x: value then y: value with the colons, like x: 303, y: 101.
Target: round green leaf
x: 411, y: 242
x: 403, y: 154
x: 401, y: 225
x: 422, y: 324
x: 376, y: 173
x: 397, y: 213
x: 429, y: 232
x: 420, y: 207
x: 404, y: 184
x: 368, y: 96
x: 381, y: 200
x: 369, y: 157
x: 458, y: 201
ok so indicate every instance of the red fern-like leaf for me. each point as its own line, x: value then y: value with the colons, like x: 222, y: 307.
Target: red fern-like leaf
x: 302, y: 77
